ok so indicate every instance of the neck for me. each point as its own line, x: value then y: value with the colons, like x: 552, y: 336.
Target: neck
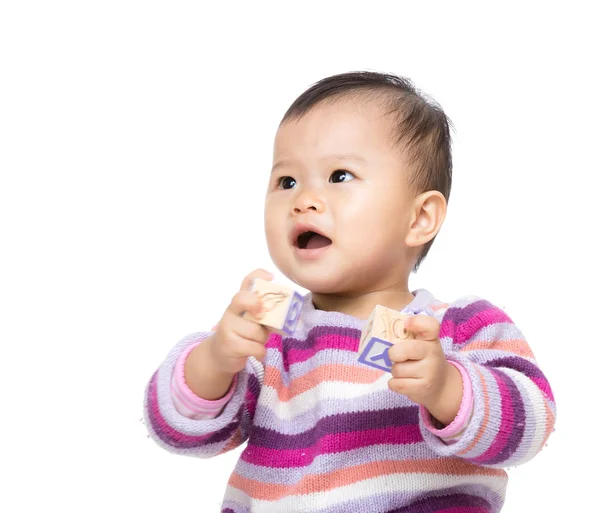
x: 361, y: 305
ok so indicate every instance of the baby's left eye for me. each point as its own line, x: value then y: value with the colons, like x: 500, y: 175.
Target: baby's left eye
x: 341, y: 175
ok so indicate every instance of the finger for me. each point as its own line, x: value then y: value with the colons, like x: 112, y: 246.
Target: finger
x: 245, y: 301
x: 423, y: 327
x: 257, y: 273
x: 409, y: 349
x: 404, y: 386
x: 410, y: 369
x: 239, y: 347
x: 250, y: 330
x: 257, y: 350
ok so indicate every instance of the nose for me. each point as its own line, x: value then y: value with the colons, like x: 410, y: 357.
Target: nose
x: 308, y: 201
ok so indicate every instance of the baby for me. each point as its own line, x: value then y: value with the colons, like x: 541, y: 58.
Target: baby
x: 357, y: 194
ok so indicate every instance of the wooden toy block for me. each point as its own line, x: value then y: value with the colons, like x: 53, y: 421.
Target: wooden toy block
x: 384, y: 328
x: 282, y: 306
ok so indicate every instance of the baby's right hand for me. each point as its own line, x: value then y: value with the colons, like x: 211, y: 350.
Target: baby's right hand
x: 236, y: 338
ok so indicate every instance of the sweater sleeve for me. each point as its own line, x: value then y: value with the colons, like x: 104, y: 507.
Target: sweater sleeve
x: 203, y: 437
x: 452, y: 432
x: 187, y: 402
x: 513, y: 406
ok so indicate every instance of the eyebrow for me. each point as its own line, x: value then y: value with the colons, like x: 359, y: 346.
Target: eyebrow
x: 335, y: 158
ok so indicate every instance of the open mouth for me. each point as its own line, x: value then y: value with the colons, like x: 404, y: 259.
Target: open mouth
x: 312, y: 240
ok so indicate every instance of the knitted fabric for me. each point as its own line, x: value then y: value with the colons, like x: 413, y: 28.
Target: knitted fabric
x: 324, y: 432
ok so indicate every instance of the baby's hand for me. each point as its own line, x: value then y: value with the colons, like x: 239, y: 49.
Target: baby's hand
x: 420, y: 369
x: 236, y: 338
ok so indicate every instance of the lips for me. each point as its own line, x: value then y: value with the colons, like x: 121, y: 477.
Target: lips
x: 307, y: 236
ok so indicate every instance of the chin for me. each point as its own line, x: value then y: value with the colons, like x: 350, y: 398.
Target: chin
x: 321, y: 282
x: 326, y: 276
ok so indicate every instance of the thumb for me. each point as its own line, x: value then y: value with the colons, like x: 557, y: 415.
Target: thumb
x: 423, y: 327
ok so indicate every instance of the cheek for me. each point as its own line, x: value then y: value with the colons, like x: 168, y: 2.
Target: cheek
x: 364, y: 217
x: 271, y: 232
x: 373, y: 234
x: 277, y: 246
x: 272, y: 215
x: 274, y: 229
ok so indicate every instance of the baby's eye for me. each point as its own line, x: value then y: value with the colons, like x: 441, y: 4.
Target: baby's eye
x: 286, y: 182
x: 340, y: 175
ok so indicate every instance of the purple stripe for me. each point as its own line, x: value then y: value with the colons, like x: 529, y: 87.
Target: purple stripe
x: 319, y: 338
x: 312, y: 337
x: 459, y: 502
x: 461, y: 324
x: 506, y: 442
x: 252, y: 394
x: 177, y: 439
x: 457, y: 315
x: 527, y: 368
x: 331, y: 444
x: 334, y: 424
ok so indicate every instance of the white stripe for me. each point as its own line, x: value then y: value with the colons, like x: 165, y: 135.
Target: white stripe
x: 494, y: 402
x: 319, y: 393
x: 498, y: 331
x: 537, y: 400
x: 258, y: 368
x: 459, y: 435
x: 400, y: 483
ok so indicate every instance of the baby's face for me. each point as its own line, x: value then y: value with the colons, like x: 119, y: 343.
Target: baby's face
x: 336, y: 174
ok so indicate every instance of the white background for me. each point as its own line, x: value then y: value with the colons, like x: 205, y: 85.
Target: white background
x: 135, y: 146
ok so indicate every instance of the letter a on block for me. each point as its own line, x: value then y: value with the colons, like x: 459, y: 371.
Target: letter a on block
x: 282, y: 306
x: 384, y: 328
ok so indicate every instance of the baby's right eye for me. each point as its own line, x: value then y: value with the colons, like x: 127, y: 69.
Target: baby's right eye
x: 286, y: 182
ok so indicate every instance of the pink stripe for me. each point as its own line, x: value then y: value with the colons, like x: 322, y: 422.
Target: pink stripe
x: 464, y: 413
x: 201, y: 407
x: 329, y: 341
x: 180, y: 402
x: 544, y: 386
x: 331, y: 444
x: 160, y: 424
x: 481, y: 319
x: 191, y: 400
x: 506, y: 422
x: 447, y: 328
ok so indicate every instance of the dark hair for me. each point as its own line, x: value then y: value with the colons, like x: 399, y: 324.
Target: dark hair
x: 420, y: 126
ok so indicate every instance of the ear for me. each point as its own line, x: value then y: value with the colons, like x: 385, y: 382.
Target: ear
x: 428, y: 214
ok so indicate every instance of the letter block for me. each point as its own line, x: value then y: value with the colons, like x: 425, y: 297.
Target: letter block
x: 282, y: 306
x: 384, y: 328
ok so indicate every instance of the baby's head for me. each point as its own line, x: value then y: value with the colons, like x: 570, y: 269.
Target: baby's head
x: 360, y: 183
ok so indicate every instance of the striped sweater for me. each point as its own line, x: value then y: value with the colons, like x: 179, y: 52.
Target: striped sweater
x: 325, y: 433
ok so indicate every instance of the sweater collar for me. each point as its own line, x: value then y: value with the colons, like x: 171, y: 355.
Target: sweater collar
x: 422, y: 302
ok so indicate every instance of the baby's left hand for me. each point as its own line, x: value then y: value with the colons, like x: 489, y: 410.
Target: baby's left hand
x: 420, y: 369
